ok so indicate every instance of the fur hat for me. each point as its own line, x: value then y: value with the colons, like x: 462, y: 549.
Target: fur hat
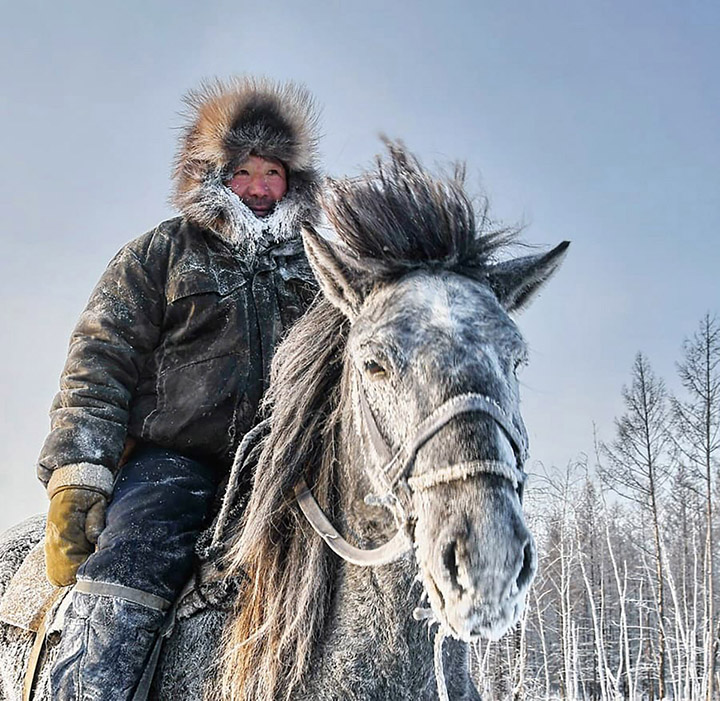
x: 229, y: 121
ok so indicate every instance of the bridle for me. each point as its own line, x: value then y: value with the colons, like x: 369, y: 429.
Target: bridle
x: 390, y: 473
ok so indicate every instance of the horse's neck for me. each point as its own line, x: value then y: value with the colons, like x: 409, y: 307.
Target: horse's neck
x: 372, y: 647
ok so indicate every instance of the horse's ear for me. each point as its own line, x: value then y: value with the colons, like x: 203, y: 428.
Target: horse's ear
x: 516, y: 282
x: 332, y: 273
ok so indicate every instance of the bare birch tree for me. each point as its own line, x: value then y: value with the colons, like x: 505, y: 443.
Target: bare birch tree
x: 636, y: 468
x: 698, y: 429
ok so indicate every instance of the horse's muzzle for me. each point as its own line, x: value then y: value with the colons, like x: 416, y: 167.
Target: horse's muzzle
x: 477, y: 557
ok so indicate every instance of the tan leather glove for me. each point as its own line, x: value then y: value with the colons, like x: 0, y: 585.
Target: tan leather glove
x: 75, y: 519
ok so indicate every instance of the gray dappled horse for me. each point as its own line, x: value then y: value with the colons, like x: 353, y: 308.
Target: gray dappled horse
x: 395, y: 399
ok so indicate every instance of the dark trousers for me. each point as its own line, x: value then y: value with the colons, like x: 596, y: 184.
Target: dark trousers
x: 160, y: 503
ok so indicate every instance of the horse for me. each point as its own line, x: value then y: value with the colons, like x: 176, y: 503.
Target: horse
x: 384, y: 529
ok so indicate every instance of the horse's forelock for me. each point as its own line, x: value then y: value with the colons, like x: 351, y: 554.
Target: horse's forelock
x: 400, y: 217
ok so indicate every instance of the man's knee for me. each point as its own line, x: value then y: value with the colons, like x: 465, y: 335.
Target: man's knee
x: 160, y: 504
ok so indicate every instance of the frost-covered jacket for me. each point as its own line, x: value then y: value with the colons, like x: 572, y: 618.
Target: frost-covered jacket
x: 175, y: 344
x: 174, y: 347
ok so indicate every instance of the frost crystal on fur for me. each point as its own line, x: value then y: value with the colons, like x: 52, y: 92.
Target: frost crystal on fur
x: 227, y: 123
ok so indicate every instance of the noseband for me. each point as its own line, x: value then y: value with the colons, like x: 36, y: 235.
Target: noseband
x: 392, y: 476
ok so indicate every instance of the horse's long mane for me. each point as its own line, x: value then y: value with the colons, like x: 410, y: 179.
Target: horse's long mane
x: 391, y: 220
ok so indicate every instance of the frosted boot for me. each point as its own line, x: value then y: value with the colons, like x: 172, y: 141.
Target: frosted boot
x: 105, y: 644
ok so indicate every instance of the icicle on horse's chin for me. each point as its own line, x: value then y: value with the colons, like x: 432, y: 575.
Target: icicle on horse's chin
x: 395, y: 422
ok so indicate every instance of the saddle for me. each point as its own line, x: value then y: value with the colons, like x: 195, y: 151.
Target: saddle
x: 34, y: 605
x: 29, y: 596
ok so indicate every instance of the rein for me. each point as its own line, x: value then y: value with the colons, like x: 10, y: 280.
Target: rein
x: 393, y: 480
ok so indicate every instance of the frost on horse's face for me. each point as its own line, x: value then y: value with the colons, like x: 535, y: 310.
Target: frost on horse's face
x: 415, y: 345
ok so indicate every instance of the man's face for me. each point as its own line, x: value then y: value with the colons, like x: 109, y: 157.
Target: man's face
x: 259, y: 183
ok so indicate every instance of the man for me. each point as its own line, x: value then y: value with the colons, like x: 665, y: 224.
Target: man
x: 165, y: 372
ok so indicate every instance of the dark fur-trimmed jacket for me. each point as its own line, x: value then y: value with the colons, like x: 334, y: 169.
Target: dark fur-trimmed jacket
x: 175, y: 344
x: 174, y: 347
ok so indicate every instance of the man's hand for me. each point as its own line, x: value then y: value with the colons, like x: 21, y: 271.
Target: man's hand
x: 75, y: 520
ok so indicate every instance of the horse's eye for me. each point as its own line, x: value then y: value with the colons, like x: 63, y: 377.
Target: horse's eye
x: 375, y: 370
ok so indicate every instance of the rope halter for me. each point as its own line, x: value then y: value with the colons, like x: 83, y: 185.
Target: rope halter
x: 390, y: 472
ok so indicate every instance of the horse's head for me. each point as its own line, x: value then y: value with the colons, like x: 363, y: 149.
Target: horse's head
x: 430, y: 367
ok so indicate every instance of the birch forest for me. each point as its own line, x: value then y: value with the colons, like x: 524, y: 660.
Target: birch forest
x: 626, y: 603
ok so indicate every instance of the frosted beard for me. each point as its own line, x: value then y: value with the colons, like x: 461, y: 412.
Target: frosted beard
x: 248, y: 233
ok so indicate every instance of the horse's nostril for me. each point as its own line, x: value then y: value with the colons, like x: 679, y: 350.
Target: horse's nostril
x: 451, y: 564
x: 527, y: 569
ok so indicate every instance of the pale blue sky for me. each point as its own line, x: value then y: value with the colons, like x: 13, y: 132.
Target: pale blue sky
x: 595, y: 122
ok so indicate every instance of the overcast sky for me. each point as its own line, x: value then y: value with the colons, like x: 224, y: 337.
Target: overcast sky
x: 590, y: 121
